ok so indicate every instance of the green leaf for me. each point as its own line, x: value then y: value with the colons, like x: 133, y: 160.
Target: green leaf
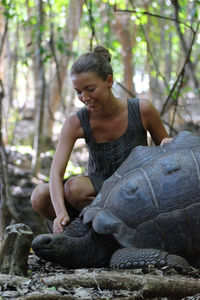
x: 52, y: 288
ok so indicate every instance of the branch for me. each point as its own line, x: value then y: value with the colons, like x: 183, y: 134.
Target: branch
x: 3, y: 37
x: 176, y: 104
x: 152, y: 15
x: 92, y: 26
x: 4, y: 33
x: 166, y: 104
x: 52, y: 47
x: 174, y: 130
x: 125, y: 89
x: 2, y: 94
x: 154, y: 61
x: 183, y: 43
x: 181, y: 74
x: 152, y: 56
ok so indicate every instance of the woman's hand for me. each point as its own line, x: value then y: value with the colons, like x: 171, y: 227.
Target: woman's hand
x: 166, y: 140
x: 59, y: 222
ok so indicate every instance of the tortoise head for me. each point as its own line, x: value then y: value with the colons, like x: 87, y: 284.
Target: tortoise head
x: 91, y: 250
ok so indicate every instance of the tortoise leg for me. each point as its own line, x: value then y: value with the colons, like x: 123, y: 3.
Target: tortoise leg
x: 106, y: 223
x: 132, y: 258
x: 76, y: 228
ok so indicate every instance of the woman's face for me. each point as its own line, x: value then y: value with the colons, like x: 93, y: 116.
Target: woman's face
x: 92, y: 90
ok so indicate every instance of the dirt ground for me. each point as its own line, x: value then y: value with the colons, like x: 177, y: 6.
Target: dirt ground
x: 49, y: 281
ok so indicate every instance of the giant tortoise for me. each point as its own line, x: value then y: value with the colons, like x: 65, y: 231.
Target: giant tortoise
x: 147, y: 212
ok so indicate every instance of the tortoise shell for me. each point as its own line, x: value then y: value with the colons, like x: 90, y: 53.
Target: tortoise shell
x: 153, y: 199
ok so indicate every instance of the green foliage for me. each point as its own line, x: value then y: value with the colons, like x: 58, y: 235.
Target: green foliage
x: 157, y: 51
x: 24, y: 149
x: 72, y: 170
x: 52, y: 288
x: 29, y: 272
x: 14, y: 118
x: 103, y: 15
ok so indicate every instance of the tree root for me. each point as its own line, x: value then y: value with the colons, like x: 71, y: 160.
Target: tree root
x: 149, y: 285
x: 141, y: 285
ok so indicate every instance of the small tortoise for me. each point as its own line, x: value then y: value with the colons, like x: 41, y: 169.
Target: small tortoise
x: 147, y: 212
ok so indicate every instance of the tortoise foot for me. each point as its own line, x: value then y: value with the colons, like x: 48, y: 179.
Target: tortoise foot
x: 133, y: 258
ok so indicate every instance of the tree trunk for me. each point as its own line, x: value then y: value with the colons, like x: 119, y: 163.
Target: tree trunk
x: 3, y: 198
x: 15, y: 250
x: 165, y: 44
x: 12, y: 67
x: 3, y: 34
x: 7, y: 209
x: 56, y: 86
x: 121, y: 26
x: 40, y: 89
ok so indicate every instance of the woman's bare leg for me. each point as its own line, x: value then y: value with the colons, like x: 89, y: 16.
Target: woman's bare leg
x: 41, y: 201
x: 78, y: 192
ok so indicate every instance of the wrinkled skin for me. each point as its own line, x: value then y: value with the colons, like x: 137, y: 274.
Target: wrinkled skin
x: 79, y: 246
x: 150, y: 207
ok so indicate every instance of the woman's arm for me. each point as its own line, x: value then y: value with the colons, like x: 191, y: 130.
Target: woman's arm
x: 152, y: 122
x: 70, y: 132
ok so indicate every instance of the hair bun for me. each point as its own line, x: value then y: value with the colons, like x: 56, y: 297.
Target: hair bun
x: 101, y: 50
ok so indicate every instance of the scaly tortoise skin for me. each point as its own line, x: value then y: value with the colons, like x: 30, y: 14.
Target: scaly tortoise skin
x: 147, y: 212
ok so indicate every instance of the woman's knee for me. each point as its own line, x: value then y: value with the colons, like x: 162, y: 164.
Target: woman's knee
x: 71, y: 189
x: 39, y: 195
x: 77, y: 191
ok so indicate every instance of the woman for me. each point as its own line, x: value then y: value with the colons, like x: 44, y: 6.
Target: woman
x: 111, y: 127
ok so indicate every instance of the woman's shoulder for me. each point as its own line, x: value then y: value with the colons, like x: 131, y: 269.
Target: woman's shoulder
x: 146, y: 108
x: 72, y: 118
x: 72, y: 124
x: 145, y: 105
x: 142, y: 102
x: 141, y: 111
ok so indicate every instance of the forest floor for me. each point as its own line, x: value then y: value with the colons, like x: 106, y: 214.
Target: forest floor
x: 50, y: 281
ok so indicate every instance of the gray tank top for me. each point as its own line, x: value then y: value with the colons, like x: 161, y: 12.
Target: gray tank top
x: 105, y: 158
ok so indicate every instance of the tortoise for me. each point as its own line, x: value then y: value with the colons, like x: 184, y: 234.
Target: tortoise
x: 147, y: 213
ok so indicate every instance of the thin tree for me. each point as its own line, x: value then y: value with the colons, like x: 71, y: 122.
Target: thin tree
x: 3, y: 196
x: 7, y: 208
x: 39, y: 88
x: 73, y: 18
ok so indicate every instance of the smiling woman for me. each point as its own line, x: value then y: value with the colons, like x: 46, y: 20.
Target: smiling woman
x: 91, y: 90
x: 111, y: 128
